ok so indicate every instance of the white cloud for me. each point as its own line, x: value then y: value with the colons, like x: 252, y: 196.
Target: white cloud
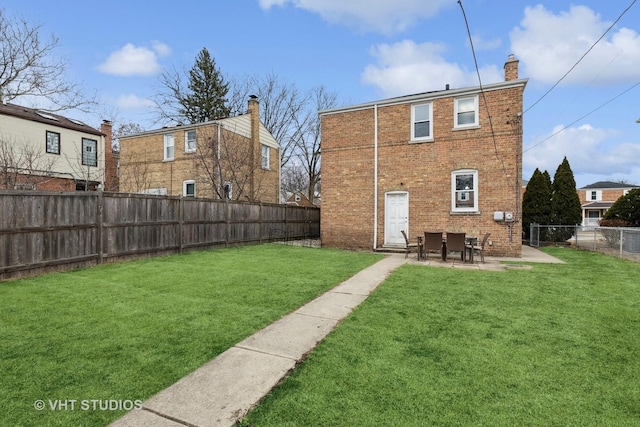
x: 590, y: 152
x: 406, y: 67
x: 479, y: 43
x: 131, y: 60
x: 368, y: 15
x: 133, y: 102
x: 548, y: 45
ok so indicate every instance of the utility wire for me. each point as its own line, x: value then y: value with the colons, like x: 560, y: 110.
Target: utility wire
x: 581, y: 58
x: 583, y: 117
x: 484, y: 98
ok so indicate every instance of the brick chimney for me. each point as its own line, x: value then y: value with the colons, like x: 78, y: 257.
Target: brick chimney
x: 111, y: 180
x: 511, y: 68
x: 254, y: 111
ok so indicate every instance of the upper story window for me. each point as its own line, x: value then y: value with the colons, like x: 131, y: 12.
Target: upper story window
x: 168, y: 146
x: 190, y: 141
x: 421, y: 122
x: 465, y: 112
x: 464, y: 190
x: 594, y: 195
x: 189, y: 188
x: 265, y: 157
x: 53, y: 142
x: 89, y: 152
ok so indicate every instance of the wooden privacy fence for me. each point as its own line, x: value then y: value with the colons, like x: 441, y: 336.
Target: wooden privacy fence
x: 43, y: 231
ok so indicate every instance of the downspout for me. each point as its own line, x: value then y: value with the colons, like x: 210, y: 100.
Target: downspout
x: 375, y: 177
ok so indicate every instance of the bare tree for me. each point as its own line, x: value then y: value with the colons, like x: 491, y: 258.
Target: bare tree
x: 136, y: 176
x: 29, y: 68
x: 125, y: 129
x: 280, y: 104
x: 23, y: 164
x: 307, y: 140
x: 225, y: 165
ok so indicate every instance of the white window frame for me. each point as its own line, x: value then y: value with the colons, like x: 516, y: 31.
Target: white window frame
x: 266, y: 157
x: 413, y: 122
x: 89, y: 146
x: 169, y: 147
x: 456, y: 112
x: 187, y: 148
x: 592, y: 193
x: 464, y: 194
x: 52, y: 134
x: 185, y: 185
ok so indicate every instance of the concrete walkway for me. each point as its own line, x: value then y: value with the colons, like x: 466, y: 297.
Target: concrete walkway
x: 222, y: 391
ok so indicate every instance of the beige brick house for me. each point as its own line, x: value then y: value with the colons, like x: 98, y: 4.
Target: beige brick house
x: 433, y: 161
x: 598, y: 197
x: 233, y: 158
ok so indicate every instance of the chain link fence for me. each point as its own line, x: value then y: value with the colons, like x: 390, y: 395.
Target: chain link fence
x: 617, y: 241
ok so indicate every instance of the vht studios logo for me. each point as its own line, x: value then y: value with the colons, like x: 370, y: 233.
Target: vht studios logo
x: 87, y: 405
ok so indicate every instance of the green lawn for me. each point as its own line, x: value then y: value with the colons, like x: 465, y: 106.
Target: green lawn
x: 557, y: 345
x: 125, y: 331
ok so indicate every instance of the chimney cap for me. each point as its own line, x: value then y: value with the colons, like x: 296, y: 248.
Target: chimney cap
x: 253, y: 97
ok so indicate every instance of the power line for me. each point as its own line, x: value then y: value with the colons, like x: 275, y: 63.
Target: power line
x: 484, y: 97
x: 581, y: 58
x: 583, y: 117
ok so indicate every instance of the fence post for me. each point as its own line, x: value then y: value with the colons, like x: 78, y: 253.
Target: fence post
x: 100, y: 226
x: 180, y: 223
x: 621, y: 237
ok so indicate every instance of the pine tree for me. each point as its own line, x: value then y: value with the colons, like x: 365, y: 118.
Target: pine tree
x: 206, y: 99
x: 536, y: 202
x: 565, y: 203
x: 626, y: 210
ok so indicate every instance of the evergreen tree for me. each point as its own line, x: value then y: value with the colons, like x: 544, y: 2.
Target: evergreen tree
x: 565, y: 203
x: 626, y: 208
x: 536, y: 202
x: 206, y: 99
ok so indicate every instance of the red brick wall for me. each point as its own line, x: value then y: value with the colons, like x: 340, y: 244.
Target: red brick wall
x: 423, y: 170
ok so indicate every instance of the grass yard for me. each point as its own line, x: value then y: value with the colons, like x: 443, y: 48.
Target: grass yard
x: 125, y: 331
x: 557, y: 345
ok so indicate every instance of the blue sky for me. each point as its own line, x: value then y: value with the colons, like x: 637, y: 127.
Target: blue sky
x: 365, y: 50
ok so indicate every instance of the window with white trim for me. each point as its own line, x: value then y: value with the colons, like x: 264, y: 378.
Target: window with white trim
x: 465, y: 112
x: 464, y: 190
x: 189, y: 188
x: 265, y: 156
x: 89, y: 152
x: 594, y: 195
x: 422, y: 122
x: 53, y: 142
x: 190, y: 141
x: 168, y: 146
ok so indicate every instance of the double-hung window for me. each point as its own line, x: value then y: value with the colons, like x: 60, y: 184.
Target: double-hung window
x: 265, y: 156
x: 53, y: 142
x: 464, y: 190
x: 168, y: 146
x: 422, y: 122
x: 190, y: 141
x: 189, y: 188
x: 89, y: 152
x: 595, y: 195
x: 465, y: 112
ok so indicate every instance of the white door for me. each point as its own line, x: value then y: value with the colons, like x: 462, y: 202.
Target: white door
x: 396, y: 214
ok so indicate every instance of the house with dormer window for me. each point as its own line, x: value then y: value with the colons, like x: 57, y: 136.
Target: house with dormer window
x: 447, y: 160
x: 41, y: 150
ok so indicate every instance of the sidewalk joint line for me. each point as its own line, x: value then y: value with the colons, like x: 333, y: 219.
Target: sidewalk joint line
x: 282, y: 356
x: 168, y: 417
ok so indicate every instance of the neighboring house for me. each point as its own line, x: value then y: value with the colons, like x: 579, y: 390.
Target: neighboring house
x: 233, y: 158
x: 433, y: 161
x: 40, y: 150
x: 596, y: 198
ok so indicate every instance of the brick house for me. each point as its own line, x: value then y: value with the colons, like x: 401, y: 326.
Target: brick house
x: 425, y: 162
x: 598, y: 197
x: 41, y: 150
x: 232, y: 158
